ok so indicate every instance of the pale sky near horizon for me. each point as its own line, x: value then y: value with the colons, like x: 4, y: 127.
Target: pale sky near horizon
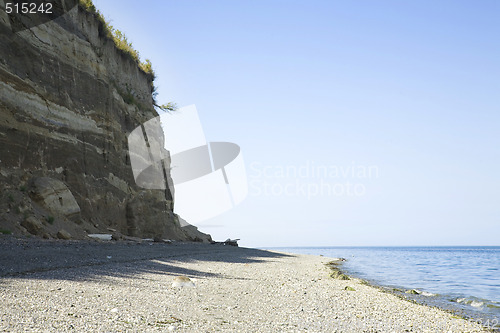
x: 398, y: 101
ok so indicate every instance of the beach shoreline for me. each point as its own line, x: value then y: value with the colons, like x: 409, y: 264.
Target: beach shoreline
x: 416, y: 274
x: 125, y: 286
x: 415, y: 296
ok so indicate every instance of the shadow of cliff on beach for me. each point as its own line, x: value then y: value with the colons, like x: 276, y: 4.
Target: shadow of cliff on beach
x: 90, y: 260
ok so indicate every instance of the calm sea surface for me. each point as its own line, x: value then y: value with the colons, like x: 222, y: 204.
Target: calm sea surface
x: 464, y: 279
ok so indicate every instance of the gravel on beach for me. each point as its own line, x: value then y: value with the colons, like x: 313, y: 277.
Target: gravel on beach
x: 79, y: 286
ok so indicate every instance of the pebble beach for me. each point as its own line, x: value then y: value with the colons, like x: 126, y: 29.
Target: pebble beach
x: 83, y: 286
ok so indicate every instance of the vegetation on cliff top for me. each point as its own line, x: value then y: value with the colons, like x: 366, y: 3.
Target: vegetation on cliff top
x: 121, y: 42
x: 118, y: 38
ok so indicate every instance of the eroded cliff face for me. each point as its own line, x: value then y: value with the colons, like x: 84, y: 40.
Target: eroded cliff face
x: 68, y: 100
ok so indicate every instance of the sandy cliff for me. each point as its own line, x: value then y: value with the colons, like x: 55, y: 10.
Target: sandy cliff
x: 68, y: 100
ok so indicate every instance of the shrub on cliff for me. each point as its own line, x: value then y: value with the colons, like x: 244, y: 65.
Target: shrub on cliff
x: 147, y: 67
x: 88, y: 5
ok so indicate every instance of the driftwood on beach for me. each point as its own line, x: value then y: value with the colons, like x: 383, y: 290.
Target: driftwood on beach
x: 232, y: 242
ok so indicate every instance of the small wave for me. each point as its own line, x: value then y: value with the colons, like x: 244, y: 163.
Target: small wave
x: 472, y: 302
x: 428, y: 294
x: 417, y: 292
x: 476, y: 304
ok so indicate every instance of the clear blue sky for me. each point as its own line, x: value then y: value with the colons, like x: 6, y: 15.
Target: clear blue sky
x: 410, y: 88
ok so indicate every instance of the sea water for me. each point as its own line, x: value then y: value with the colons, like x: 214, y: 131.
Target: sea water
x: 463, y: 279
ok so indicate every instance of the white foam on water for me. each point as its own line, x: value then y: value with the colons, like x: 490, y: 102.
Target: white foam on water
x: 425, y: 293
x: 476, y: 304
